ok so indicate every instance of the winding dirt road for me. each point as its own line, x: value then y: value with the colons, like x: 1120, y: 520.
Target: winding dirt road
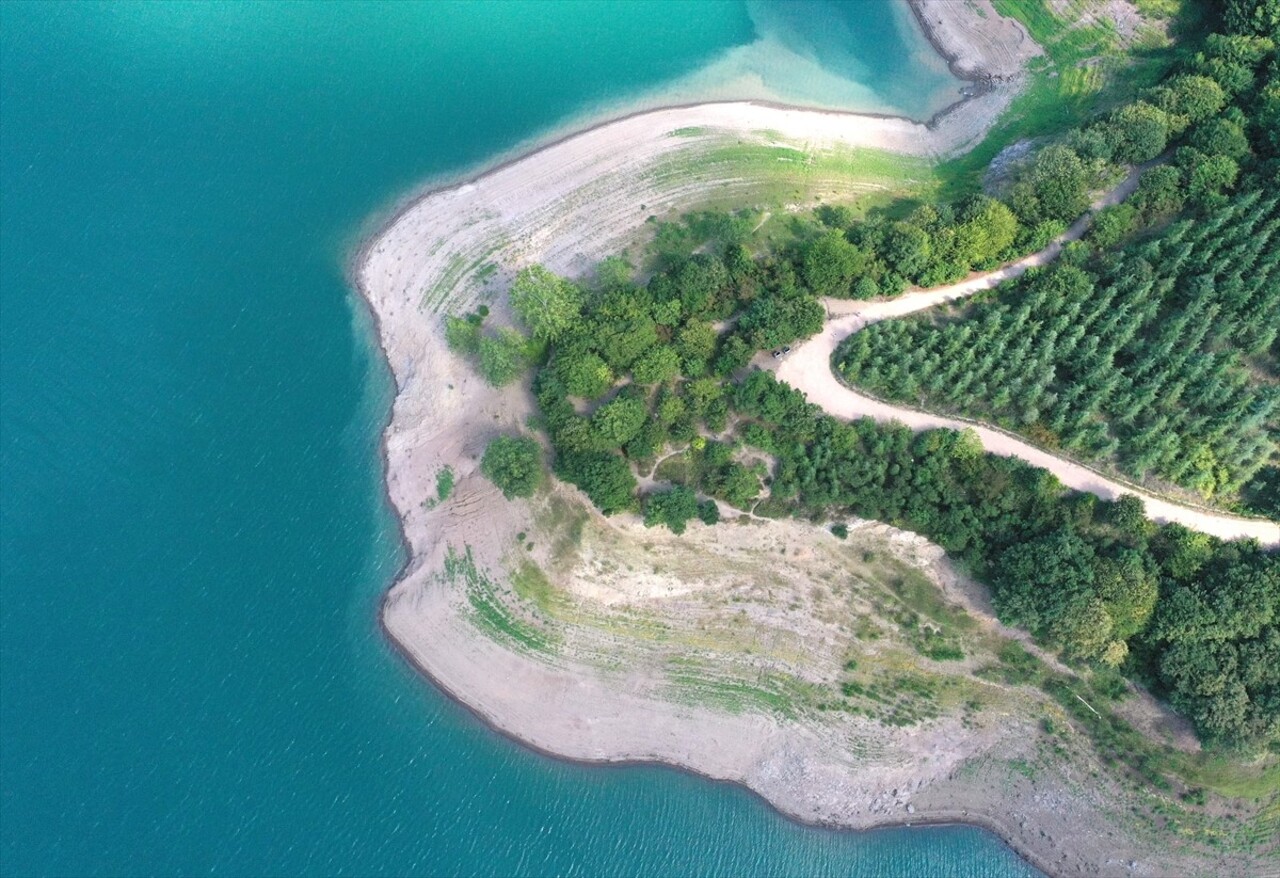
x: 808, y: 369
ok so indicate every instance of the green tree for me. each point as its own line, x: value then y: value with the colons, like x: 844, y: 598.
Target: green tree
x: 1211, y: 177
x: 987, y: 230
x: 1112, y: 224
x: 514, y: 464
x: 582, y: 371
x: 1139, y: 132
x: 674, y: 508
x: 696, y: 344
x: 830, y: 263
x: 1040, y: 582
x: 906, y: 249
x: 1220, y: 137
x: 657, y: 365
x: 1160, y: 190
x: 549, y: 305
x: 1128, y: 591
x: 1193, y: 98
x: 605, y: 478
x: 502, y: 357
x: 1252, y: 17
x: 462, y: 335
x: 616, y: 422
x: 1056, y: 187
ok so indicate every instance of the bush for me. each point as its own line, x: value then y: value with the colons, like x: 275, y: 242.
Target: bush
x: 462, y: 335
x: 840, y: 530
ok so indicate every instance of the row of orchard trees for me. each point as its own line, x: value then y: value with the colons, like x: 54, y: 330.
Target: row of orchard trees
x: 1149, y: 359
x: 1222, y: 113
x: 1195, y: 617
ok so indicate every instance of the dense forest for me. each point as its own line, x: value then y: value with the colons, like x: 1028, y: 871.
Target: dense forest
x: 1150, y: 343
x: 1161, y: 358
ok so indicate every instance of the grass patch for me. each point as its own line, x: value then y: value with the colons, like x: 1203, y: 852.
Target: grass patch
x: 532, y: 585
x: 489, y: 612
x: 444, y: 483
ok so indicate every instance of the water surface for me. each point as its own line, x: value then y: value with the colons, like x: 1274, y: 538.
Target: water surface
x: 194, y: 535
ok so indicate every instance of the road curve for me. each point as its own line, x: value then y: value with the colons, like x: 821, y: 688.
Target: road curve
x: 808, y: 369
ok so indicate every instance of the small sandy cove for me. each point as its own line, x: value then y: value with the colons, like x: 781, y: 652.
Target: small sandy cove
x: 568, y: 205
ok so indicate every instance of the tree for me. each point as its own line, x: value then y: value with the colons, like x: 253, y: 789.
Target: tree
x: 613, y: 273
x: 1193, y: 98
x: 906, y: 249
x: 674, y: 508
x: 696, y: 344
x: 1210, y: 177
x: 514, y: 464
x: 657, y: 365
x: 1220, y: 137
x: 1160, y: 190
x: 547, y: 304
x: 830, y: 263
x: 1056, y: 187
x: 605, y: 478
x: 502, y: 357
x: 1128, y: 592
x: 1253, y: 17
x: 462, y: 335
x: 1138, y: 131
x: 582, y: 371
x: 1112, y: 224
x: 988, y: 229
x: 1040, y: 582
x: 618, y: 421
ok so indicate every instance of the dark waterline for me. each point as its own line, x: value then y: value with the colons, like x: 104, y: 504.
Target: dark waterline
x: 194, y: 540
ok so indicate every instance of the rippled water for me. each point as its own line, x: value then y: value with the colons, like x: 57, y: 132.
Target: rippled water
x: 194, y: 537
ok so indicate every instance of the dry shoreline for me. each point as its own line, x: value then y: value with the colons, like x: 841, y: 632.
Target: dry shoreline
x: 935, y: 819
x: 443, y: 415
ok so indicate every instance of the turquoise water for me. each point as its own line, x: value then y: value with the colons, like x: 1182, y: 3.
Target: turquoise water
x: 194, y: 537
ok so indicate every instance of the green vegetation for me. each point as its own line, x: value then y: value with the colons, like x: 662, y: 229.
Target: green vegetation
x: 444, y: 483
x: 1161, y: 360
x: 1187, y: 613
x: 490, y: 612
x: 1151, y: 360
x: 514, y: 464
x: 501, y: 355
x: 1152, y: 354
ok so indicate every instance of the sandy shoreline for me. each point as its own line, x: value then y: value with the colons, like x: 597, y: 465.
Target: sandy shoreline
x: 566, y: 206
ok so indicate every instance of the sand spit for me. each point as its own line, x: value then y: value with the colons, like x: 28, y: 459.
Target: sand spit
x: 566, y: 206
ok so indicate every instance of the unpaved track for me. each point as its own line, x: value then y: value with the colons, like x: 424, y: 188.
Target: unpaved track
x: 808, y: 369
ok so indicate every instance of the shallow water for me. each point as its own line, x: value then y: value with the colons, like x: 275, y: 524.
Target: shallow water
x: 194, y: 535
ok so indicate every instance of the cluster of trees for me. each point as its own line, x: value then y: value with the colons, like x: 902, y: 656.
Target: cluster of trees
x: 1142, y: 361
x: 1196, y: 618
x: 630, y: 369
x: 1223, y: 109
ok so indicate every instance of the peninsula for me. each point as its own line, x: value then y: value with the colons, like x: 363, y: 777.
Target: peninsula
x: 725, y: 650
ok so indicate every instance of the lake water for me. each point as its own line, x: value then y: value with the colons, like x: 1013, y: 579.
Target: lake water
x: 194, y: 535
